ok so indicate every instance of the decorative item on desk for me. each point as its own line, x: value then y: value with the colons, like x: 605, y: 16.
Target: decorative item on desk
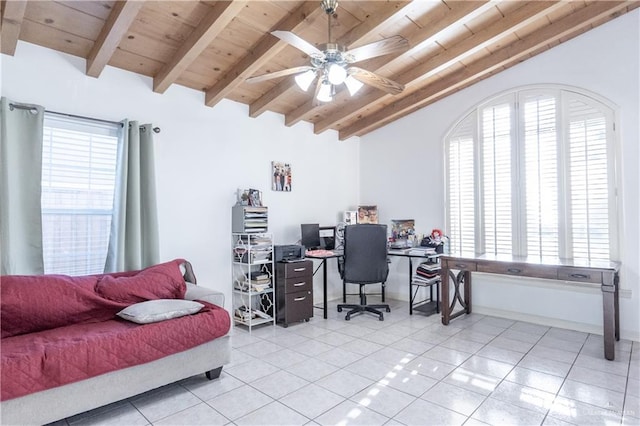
x: 350, y: 217
x: 402, y: 229
x: 434, y: 240
x: 243, y: 197
x: 368, y: 214
x: 281, y: 176
x: 255, y: 198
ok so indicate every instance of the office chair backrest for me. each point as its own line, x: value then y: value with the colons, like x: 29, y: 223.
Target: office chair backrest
x: 365, y: 253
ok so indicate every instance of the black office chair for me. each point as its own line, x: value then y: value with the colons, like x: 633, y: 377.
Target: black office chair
x: 365, y: 262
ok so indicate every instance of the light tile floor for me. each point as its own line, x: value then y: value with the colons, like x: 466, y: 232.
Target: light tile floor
x: 406, y: 370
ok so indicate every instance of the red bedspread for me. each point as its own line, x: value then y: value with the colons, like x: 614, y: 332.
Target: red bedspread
x: 37, y: 361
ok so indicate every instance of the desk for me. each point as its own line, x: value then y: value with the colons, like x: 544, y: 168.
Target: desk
x: 604, y: 273
x: 338, y: 253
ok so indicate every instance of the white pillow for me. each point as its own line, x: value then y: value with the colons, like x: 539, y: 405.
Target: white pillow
x: 159, y: 310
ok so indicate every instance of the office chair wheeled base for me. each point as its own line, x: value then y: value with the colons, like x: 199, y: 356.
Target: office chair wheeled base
x: 363, y: 307
x: 357, y: 309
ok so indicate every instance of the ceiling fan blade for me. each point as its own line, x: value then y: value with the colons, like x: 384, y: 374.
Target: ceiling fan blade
x: 276, y: 74
x: 377, y: 48
x: 298, y: 43
x: 376, y: 80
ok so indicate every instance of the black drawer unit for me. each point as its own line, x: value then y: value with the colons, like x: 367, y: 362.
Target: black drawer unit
x: 294, y: 291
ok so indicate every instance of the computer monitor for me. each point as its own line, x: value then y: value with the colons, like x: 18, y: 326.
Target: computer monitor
x: 328, y: 237
x: 310, y: 235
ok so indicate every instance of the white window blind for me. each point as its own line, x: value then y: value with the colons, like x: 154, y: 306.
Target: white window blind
x: 539, y: 117
x: 589, y: 210
x: 78, y: 180
x: 496, y: 171
x: 461, y: 187
x: 545, y: 182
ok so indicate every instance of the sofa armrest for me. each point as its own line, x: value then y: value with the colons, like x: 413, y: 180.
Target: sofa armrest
x: 202, y: 293
x: 186, y: 269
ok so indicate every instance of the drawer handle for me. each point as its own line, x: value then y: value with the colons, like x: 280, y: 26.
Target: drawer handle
x: 299, y: 269
x: 583, y: 276
x: 461, y: 265
x: 514, y: 270
x: 299, y: 299
x: 299, y: 284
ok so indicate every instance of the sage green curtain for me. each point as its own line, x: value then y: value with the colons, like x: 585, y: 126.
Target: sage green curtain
x: 20, y: 187
x: 134, y: 242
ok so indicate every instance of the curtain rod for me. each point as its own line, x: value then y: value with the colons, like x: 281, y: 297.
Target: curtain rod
x: 12, y: 105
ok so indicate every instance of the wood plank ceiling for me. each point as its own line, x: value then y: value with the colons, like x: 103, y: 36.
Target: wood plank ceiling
x: 214, y: 46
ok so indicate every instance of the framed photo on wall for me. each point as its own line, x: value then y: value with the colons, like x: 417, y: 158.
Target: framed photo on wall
x: 280, y: 176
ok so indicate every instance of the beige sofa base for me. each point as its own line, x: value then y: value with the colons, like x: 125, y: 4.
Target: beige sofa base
x: 64, y: 401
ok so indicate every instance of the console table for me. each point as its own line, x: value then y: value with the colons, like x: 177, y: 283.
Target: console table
x: 604, y: 273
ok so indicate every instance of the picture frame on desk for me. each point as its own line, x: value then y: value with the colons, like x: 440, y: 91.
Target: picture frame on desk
x: 350, y: 217
x: 255, y: 198
x: 402, y: 229
x: 367, y: 214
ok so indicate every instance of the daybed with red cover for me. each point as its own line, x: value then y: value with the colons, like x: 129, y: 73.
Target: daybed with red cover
x: 64, y: 349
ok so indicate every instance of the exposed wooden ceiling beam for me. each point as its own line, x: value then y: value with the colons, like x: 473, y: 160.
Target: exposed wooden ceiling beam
x: 207, y: 30
x: 510, y: 55
x: 261, y: 53
x: 515, y: 21
x: 458, y: 13
x: 372, y: 25
x: 12, y: 15
x: 120, y: 19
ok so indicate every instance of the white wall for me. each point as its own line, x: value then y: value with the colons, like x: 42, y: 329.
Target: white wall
x: 409, y: 183
x: 203, y: 155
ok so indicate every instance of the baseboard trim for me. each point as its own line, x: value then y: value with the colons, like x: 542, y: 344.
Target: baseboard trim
x: 551, y: 322
x: 537, y: 319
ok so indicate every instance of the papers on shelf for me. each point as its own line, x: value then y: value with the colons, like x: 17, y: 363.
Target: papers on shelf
x: 421, y: 251
x: 245, y: 314
x: 425, y: 281
x: 398, y: 251
x: 428, y: 266
x: 414, y: 251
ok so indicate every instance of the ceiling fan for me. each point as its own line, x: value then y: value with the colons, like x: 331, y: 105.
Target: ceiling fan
x: 332, y: 65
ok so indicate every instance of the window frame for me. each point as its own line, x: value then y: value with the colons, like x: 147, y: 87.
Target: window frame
x: 563, y: 94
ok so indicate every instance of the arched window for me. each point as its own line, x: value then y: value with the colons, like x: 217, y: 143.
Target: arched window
x: 532, y: 173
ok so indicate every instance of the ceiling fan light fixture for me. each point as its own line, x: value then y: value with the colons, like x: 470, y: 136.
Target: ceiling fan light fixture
x: 324, y: 94
x: 353, y: 85
x: 336, y: 74
x: 329, y: 6
x: 305, y: 79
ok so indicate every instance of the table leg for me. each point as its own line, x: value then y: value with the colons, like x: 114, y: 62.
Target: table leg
x: 617, y: 306
x: 467, y: 290
x: 609, y: 293
x: 410, y: 287
x: 444, y: 282
x: 324, y: 287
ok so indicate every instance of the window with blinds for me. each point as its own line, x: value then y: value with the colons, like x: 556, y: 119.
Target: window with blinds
x: 544, y: 185
x: 496, y: 139
x: 78, y: 183
x: 461, y: 189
